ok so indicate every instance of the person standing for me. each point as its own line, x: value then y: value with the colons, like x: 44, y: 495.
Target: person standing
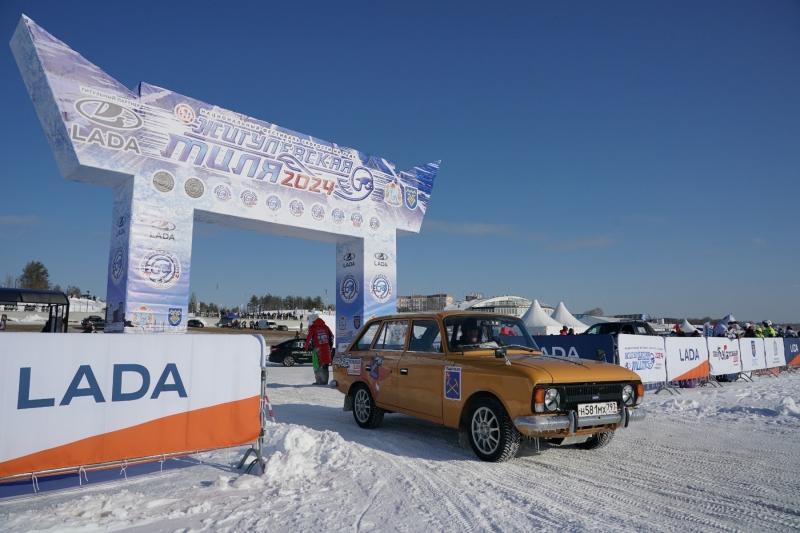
x: 3, y: 322
x: 320, y: 341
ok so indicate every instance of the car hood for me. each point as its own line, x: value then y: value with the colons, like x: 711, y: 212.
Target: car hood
x: 571, y: 370
x: 542, y: 368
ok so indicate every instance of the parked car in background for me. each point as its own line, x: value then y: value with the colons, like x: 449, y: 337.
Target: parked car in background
x: 97, y: 321
x: 194, y: 323
x: 269, y: 325
x: 291, y: 352
x: 484, y: 375
x: 225, y: 322
x: 627, y: 327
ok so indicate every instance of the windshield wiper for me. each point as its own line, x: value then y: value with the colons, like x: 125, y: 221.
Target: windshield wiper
x: 520, y: 347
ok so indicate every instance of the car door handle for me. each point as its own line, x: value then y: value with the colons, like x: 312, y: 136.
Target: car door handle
x: 403, y: 371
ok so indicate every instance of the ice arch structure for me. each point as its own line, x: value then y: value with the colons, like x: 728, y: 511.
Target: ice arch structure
x: 172, y: 159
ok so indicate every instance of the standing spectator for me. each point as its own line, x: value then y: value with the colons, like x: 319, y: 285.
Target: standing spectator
x: 749, y: 330
x: 790, y: 332
x: 320, y: 340
x: 4, y: 321
x: 769, y: 331
x: 571, y: 331
x: 563, y: 330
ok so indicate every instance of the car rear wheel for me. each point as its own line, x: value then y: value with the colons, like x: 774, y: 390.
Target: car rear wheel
x: 598, y: 440
x: 288, y: 361
x: 366, y: 413
x: 492, y: 435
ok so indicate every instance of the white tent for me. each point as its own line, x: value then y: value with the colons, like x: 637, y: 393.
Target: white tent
x: 564, y: 317
x: 686, y: 327
x: 538, y: 322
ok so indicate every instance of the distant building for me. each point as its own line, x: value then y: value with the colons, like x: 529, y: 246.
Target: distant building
x: 506, y: 304
x: 418, y: 302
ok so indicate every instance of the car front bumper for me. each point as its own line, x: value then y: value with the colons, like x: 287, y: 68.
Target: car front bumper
x: 552, y: 425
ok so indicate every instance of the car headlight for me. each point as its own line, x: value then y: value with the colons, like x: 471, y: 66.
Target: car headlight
x: 552, y: 399
x: 627, y: 395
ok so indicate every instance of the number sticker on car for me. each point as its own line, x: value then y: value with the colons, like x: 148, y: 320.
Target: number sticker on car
x: 597, y: 409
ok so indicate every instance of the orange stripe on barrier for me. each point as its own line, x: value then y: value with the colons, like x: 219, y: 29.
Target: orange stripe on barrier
x: 218, y: 426
x: 795, y: 361
x: 700, y: 371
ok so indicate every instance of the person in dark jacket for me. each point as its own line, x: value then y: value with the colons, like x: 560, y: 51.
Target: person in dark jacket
x: 320, y: 341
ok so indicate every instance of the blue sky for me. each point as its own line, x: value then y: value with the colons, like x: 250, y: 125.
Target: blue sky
x: 637, y: 156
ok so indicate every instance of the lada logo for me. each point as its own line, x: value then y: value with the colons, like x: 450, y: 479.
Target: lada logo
x: 108, y: 114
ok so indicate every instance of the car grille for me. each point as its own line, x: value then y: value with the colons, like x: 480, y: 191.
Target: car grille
x: 572, y: 395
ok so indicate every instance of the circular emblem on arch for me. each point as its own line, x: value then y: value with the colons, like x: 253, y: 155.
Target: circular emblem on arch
x: 381, y: 288
x: 117, y: 265
x: 273, y: 202
x: 317, y: 212
x: 356, y: 219
x: 163, y: 181
x: 374, y: 223
x: 296, y: 207
x: 184, y: 113
x: 222, y: 192
x: 337, y: 215
x: 194, y: 188
x: 249, y: 198
x: 349, y: 289
x: 160, y: 269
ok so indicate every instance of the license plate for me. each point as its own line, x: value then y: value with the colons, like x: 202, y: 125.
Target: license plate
x: 596, y: 409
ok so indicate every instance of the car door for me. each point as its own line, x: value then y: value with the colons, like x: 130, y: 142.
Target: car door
x: 421, y: 370
x: 385, y: 355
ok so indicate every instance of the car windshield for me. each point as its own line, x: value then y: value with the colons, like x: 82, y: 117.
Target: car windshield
x: 480, y: 331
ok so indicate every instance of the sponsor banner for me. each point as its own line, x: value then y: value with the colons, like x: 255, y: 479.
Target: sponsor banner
x: 774, y: 352
x: 753, y: 357
x: 190, y: 159
x: 791, y: 347
x: 687, y: 358
x: 724, y: 356
x: 75, y: 400
x: 644, y: 355
x: 594, y: 347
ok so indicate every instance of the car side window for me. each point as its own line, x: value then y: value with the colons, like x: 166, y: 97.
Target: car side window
x: 627, y: 329
x: 425, y: 337
x: 365, y: 341
x: 392, y: 336
x: 594, y: 330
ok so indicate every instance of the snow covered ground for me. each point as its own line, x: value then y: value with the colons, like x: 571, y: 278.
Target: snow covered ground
x: 709, y: 459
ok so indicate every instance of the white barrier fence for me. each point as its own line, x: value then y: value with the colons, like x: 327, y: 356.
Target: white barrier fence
x: 724, y: 356
x: 666, y: 359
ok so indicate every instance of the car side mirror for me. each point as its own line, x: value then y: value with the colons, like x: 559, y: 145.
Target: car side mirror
x: 500, y: 353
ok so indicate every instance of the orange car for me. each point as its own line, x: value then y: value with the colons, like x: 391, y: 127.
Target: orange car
x: 482, y: 373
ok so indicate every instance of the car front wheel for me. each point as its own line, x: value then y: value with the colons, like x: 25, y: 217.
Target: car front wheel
x: 288, y: 361
x: 367, y: 414
x: 492, y: 435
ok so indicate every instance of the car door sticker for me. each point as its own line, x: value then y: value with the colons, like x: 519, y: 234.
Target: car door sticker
x: 377, y: 372
x: 452, y: 383
x: 353, y: 366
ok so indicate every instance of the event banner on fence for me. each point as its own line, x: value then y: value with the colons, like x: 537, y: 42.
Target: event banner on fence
x: 644, y: 355
x: 753, y: 357
x: 774, y: 352
x: 723, y: 356
x: 791, y: 347
x: 594, y: 347
x: 687, y: 358
x: 70, y: 400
